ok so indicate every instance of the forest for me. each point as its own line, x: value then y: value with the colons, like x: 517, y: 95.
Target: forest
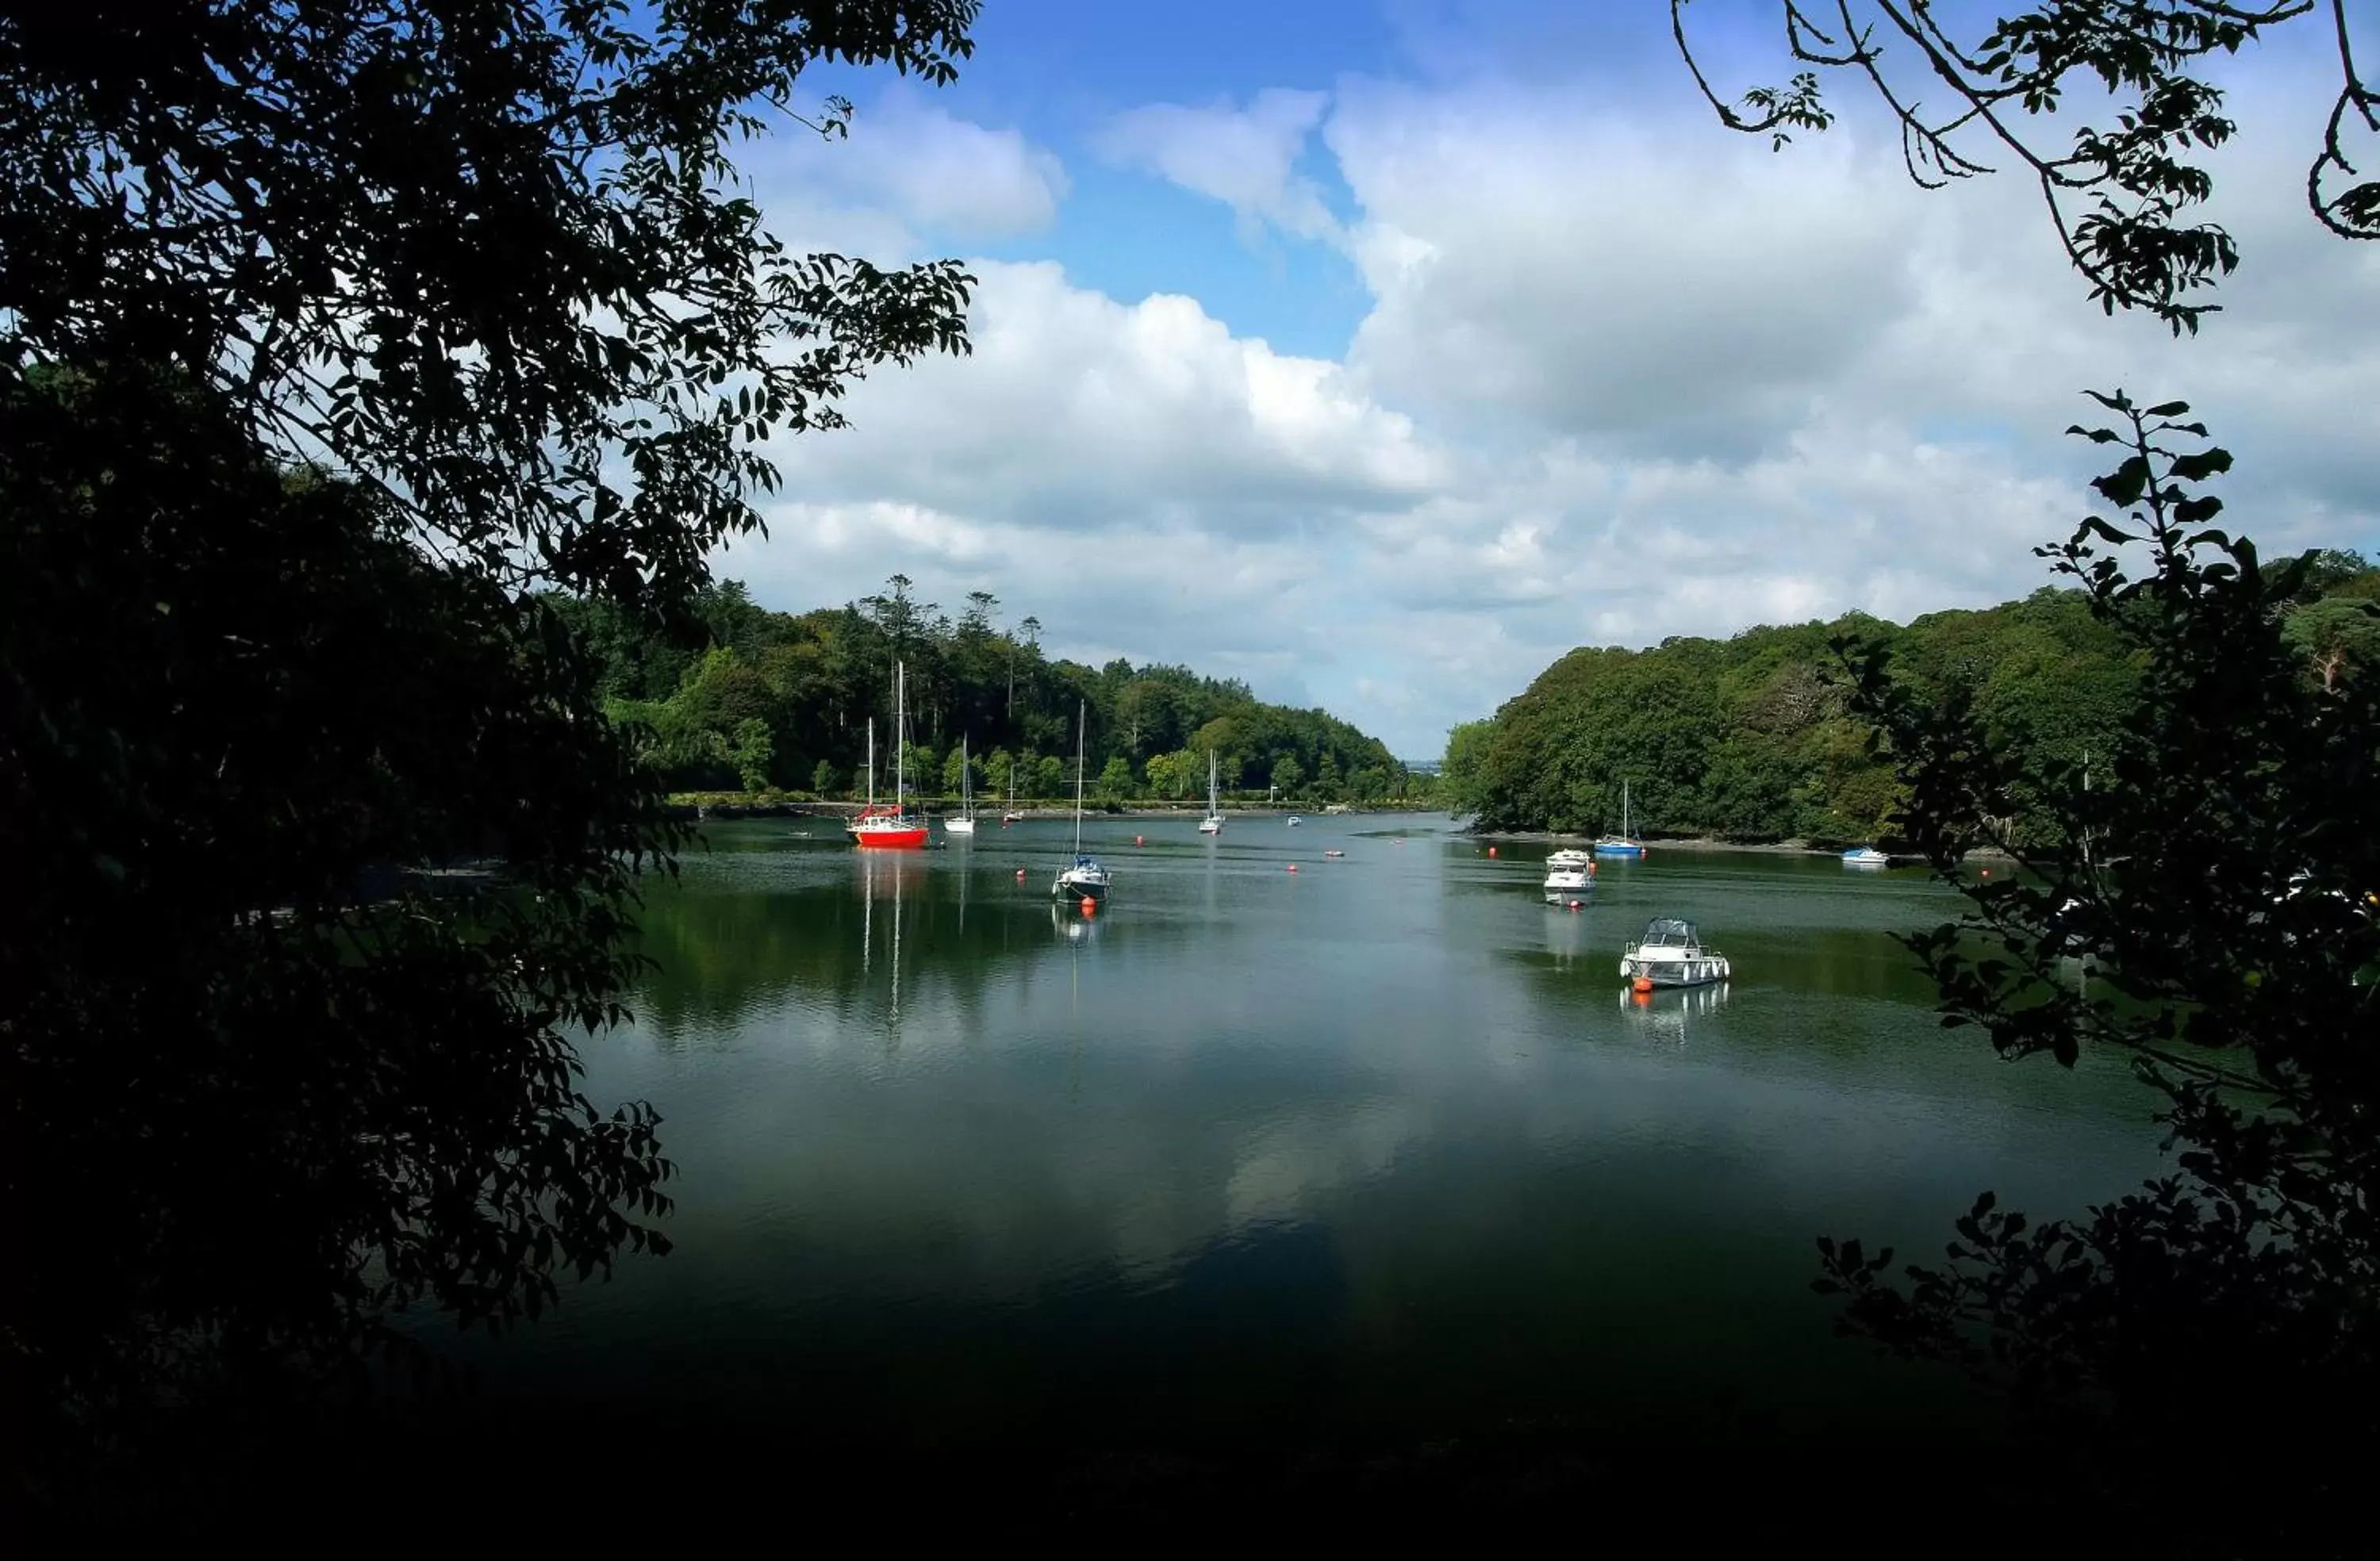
x: 778, y: 701
x: 1750, y: 739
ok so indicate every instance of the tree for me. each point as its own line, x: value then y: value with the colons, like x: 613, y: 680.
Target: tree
x: 1288, y: 774
x: 956, y: 767
x: 2131, y: 243
x: 2334, y: 636
x: 491, y: 264
x: 822, y: 780
x: 2220, y: 874
x: 753, y: 752
x: 1115, y: 779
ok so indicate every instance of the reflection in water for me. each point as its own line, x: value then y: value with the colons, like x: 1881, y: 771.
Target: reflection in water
x: 1666, y: 1015
x: 1565, y: 936
x: 1363, y: 1143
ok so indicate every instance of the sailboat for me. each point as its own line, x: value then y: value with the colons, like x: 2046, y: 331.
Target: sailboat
x: 885, y: 828
x: 1624, y: 843
x: 965, y: 823
x: 1012, y: 816
x: 1214, y: 823
x: 1086, y: 880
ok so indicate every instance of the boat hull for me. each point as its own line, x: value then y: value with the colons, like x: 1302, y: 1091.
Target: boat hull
x: 1210, y: 826
x: 1069, y: 887
x: 894, y: 837
x: 1697, y: 971
x: 1618, y: 847
x: 958, y: 826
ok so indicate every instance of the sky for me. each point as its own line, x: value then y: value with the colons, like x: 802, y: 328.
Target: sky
x: 1379, y: 352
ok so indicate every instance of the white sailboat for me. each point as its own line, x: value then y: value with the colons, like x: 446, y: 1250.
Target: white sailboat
x: 1086, y: 880
x: 965, y: 823
x: 1214, y: 823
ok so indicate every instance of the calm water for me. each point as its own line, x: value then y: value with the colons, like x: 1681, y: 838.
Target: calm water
x: 1380, y: 1143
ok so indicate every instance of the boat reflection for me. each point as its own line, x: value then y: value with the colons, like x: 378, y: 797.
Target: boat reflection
x: 1565, y: 936
x: 1073, y: 924
x: 1666, y: 1014
x: 885, y: 877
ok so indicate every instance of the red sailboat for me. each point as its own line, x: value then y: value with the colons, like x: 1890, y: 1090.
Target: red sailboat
x: 884, y: 826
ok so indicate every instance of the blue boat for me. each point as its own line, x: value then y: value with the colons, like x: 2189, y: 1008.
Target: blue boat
x: 1623, y: 843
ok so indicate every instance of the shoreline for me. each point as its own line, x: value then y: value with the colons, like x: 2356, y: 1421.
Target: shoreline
x: 1712, y: 843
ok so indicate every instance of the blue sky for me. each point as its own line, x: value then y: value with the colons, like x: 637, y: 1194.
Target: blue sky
x: 1379, y: 353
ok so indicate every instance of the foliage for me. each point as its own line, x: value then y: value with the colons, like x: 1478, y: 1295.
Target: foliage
x: 815, y: 679
x: 2220, y: 875
x: 2131, y: 243
x: 1755, y: 738
x: 487, y: 265
x: 295, y: 1087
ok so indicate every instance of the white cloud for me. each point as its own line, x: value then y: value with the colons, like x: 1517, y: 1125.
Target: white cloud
x: 1246, y: 158
x: 909, y: 167
x: 1624, y: 377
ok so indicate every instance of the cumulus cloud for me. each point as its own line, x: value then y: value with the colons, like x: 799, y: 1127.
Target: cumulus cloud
x: 1624, y: 376
x: 1244, y: 157
x: 910, y: 169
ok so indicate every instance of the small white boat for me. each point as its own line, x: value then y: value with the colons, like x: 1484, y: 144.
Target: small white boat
x: 1570, y: 856
x: 1672, y: 954
x: 1866, y: 856
x: 1214, y: 823
x: 965, y: 823
x: 1568, y: 881
x: 1086, y: 880
x: 1295, y: 821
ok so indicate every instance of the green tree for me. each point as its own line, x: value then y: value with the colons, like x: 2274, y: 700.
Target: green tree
x: 823, y: 779
x: 495, y: 266
x: 2335, y: 636
x: 2244, y: 996
x: 1287, y: 774
x: 1115, y: 779
x: 1963, y: 100
x: 753, y: 751
x: 956, y: 767
x: 1050, y: 779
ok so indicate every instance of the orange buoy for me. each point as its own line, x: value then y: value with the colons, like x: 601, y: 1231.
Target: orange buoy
x: 1137, y: 841
x: 1020, y: 875
x: 1090, y: 907
x: 1573, y: 904
x: 1644, y: 984
x: 1292, y: 866
x: 1642, y: 998
x: 1491, y: 850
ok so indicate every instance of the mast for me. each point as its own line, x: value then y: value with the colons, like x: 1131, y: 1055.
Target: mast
x: 899, y: 719
x: 871, y: 762
x: 1626, y: 833
x: 1212, y: 795
x: 1078, y: 778
x: 967, y: 781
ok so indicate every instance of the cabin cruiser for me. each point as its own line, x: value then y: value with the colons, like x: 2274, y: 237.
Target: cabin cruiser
x: 1672, y: 954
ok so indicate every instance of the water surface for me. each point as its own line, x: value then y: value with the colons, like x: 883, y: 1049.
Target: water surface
x: 1380, y: 1143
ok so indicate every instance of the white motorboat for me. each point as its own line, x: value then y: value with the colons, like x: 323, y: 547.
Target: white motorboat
x: 1568, y: 881
x: 1570, y: 856
x: 1866, y: 856
x: 1672, y: 954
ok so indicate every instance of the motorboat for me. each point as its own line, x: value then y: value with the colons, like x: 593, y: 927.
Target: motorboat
x: 1866, y: 856
x: 1670, y: 953
x: 1568, y: 880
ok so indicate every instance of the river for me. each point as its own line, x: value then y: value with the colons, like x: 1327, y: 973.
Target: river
x: 1378, y: 1143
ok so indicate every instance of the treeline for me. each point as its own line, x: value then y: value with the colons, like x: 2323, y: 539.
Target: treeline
x: 1750, y: 739
x: 779, y: 700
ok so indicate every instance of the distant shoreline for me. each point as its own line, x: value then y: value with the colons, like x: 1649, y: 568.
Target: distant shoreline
x: 1711, y: 843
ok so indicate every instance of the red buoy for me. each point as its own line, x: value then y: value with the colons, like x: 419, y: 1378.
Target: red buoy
x: 1090, y: 907
x: 1644, y: 984
x: 1137, y: 841
x: 1491, y: 850
x: 1292, y: 866
x: 1020, y: 875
